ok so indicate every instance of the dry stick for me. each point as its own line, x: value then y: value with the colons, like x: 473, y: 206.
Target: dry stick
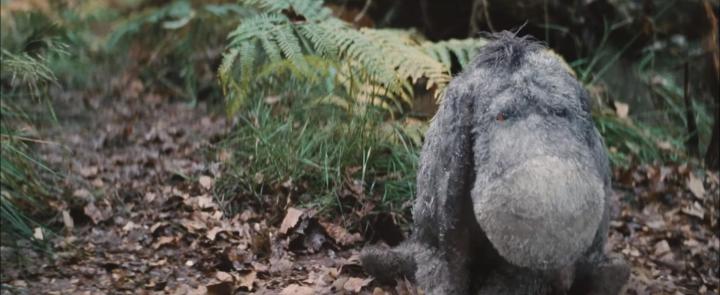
x: 693, y: 141
x: 712, y: 155
x: 487, y: 16
x: 478, y: 13
x: 364, y: 10
x: 474, y: 29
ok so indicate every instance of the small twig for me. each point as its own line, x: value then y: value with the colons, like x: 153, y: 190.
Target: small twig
x: 474, y: 17
x: 364, y: 10
x: 487, y: 16
x: 546, y: 16
x: 693, y: 141
x: 27, y: 139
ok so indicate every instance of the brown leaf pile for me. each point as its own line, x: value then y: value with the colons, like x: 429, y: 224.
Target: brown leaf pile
x: 668, y: 229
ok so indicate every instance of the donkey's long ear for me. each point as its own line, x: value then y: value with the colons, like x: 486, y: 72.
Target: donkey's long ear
x: 446, y: 169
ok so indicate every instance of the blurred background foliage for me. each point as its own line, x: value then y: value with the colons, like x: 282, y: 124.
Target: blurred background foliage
x: 337, y: 94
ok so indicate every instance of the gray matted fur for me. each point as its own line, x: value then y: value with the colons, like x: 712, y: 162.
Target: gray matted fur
x: 513, y: 185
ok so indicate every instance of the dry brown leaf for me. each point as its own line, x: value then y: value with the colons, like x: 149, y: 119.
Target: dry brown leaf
x: 163, y: 241
x: 622, y: 109
x: 206, y: 182
x: 405, y: 287
x: 224, y: 276
x: 67, y: 220
x: 192, y: 225
x: 291, y: 219
x: 696, y: 186
x: 662, y: 247
x: 340, y: 234
x: 205, y: 201
x: 694, y: 210
x: 224, y: 155
x: 212, y: 233
x: 280, y: 265
x: 656, y: 224
x: 38, y: 234
x: 129, y: 226
x: 248, y: 280
x: 272, y: 99
x: 356, y: 284
x: 82, y: 194
x: 295, y: 289
x: 222, y: 288
x: 95, y: 214
x: 88, y: 172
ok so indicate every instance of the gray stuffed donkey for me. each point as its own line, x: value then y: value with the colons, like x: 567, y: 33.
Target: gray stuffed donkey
x: 513, y: 186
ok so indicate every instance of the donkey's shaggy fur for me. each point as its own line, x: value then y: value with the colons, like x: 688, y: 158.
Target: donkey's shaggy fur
x: 513, y: 185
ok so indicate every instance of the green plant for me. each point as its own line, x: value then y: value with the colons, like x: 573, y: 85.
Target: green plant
x: 319, y: 147
x: 26, y: 184
x: 303, y: 39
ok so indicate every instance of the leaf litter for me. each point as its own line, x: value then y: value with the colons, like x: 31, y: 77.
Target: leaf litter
x: 142, y: 219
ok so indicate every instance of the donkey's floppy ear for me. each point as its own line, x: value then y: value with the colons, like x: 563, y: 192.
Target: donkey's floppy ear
x: 445, y: 174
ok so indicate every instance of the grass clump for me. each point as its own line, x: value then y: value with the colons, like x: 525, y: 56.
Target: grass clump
x: 26, y: 185
x: 314, y: 150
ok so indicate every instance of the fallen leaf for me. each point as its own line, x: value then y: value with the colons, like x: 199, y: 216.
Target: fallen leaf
x: 224, y: 155
x: 656, y: 224
x: 223, y: 276
x: 90, y: 171
x: 694, y: 210
x: 291, y: 219
x: 664, y: 145
x: 158, y: 225
x: 248, y: 280
x: 340, y: 234
x: 98, y: 183
x: 405, y: 287
x: 163, y: 241
x: 149, y: 197
x: 82, y: 193
x: 67, y: 220
x: 94, y: 213
x: 696, y: 186
x: 185, y: 289
x: 206, y: 182
x: 212, y: 233
x: 205, y: 202
x: 129, y: 226
x: 662, y: 247
x: 272, y: 99
x: 192, y: 225
x: 38, y: 234
x: 295, y: 289
x: 622, y: 110
x: 222, y: 288
x: 356, y: 284
x: 160, y: 262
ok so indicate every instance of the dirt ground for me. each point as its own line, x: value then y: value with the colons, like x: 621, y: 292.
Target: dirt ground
x: 142, y: 172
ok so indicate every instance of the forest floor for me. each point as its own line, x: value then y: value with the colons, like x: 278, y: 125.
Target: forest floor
x: 142, y: 171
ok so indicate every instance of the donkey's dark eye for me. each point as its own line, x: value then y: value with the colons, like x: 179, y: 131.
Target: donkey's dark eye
x: 501, y: 116
x: 561, y: 113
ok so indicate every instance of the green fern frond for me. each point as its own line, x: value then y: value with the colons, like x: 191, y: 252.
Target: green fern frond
x: 310, y: 9
x: 378, y: 66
